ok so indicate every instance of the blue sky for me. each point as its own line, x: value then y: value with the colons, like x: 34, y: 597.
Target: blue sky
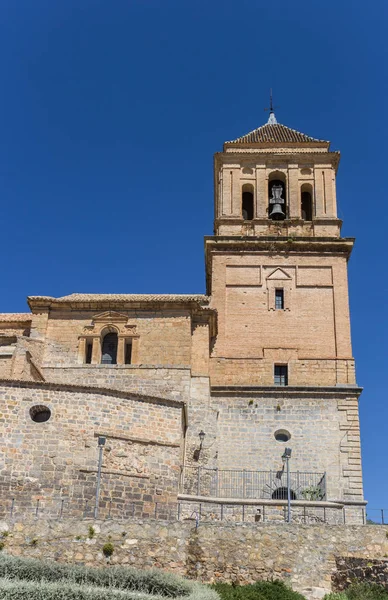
x: 110, y: 113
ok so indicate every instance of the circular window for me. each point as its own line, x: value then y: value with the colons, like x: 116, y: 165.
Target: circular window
x: 40, y: 413
x: 282, y: 435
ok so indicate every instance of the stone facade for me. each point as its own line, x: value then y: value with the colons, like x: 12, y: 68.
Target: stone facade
x: 267, y: 352
x: 307, y: 557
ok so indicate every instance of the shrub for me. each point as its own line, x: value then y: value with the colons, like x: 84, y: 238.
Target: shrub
x: 91, y: 532
x: 336, y: 596
x: 261, y: 590
x: 107, y: 549
x: 366, y: 591
x: 150, y: 581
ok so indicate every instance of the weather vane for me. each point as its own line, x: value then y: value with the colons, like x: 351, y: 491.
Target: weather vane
x: 272, y: 118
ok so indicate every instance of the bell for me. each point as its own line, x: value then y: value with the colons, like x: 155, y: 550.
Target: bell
x: 276, y: 212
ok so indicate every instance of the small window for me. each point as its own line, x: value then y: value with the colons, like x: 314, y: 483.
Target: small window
x: 40, y: 413
x: 279, y: 299
x: 128, y: 353
x: 282, y: 435
x: 281, y: 375
x: 88, y: 353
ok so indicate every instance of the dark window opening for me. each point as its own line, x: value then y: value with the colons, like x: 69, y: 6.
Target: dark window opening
x: 88, y: 354
x: 40, y: 414
x: 282, y: 435
x: 306, y: 206
x: 277, y: 200
x: 279, y: 299
x: 247, y: 206
x: 281, y: 375
x: 281, y: 494
x: 128, y: 353
x: 109, y: 349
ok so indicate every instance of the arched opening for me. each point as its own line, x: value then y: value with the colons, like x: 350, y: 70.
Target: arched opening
x: 109, y: 349
x: 247, y: 202
x: 277, y: 201
x: 306, y: 202
x: 281, y: 494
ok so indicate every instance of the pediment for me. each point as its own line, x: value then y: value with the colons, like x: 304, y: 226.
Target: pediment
x: 109, y: 316
x: 278, y: 274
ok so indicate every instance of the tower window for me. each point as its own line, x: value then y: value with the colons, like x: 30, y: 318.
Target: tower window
x: 247, y: 206
x: 279, y: 299
x: 306, y: 206
x: 128, y: 353
x: 88, y: 353
x: 109, y: 349
x: 281, y: 375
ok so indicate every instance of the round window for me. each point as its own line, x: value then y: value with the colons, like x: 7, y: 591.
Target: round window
x: 40, y: 413
x: 282, y: 435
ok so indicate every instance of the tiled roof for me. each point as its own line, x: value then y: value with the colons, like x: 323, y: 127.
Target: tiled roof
x: 275, y: 133
x: 199, y: 298
x: 15, y: 317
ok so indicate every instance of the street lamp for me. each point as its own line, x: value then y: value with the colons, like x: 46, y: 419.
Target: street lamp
x: 101, y: 444
x: 286, y: 459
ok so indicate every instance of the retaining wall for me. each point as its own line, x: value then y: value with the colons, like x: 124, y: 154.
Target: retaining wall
x: 303, y: 555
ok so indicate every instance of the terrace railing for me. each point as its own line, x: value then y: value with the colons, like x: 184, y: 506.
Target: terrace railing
x: 246, y: 484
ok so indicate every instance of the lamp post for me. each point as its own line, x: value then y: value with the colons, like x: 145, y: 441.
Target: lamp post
x: 101, y: 444
x: 286, y: 459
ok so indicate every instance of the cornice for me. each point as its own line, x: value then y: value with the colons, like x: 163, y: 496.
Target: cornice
x: 286, y: 391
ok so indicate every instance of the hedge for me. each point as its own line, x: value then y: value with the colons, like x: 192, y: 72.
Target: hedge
x: 150, y: 581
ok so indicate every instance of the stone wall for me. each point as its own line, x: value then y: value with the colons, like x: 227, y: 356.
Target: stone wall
x: 58, y: 459
x: 240, y: 427
x: 303, y: 555
x: 350, y: 569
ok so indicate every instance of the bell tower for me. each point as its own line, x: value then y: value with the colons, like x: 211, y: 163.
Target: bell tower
x: 276, y: 271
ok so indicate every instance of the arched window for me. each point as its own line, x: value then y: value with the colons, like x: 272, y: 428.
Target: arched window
x: 247, y: 202
x: 281, y: 494
x: 306, y: 202
x: 277, y: 200
x: 109, y: 349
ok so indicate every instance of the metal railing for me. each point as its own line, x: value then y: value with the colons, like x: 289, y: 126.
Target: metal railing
x: 270, y: 513
x: 377, y: 516
x: 231, y: 483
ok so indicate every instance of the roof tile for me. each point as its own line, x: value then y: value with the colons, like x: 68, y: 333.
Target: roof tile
x: 274, y: 133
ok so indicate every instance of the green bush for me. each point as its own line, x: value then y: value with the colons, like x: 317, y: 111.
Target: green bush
x: 150, y: 581
x: 261, y: 590
x: 360, y: 591
x: 366, y: 591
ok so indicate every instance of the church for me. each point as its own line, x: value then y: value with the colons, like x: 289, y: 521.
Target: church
x: 122, y: 403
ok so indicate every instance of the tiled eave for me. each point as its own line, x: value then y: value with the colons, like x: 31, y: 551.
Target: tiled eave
x: 131, y: 301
